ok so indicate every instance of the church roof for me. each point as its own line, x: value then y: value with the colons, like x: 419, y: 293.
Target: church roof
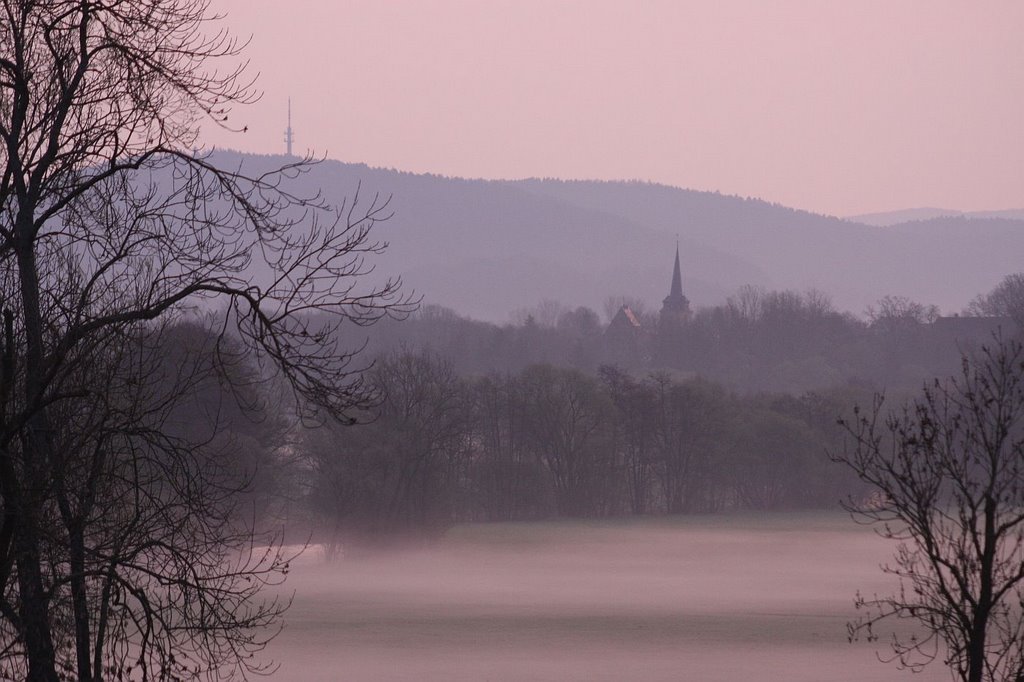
x: 630, y: 316
x: 625, y: 316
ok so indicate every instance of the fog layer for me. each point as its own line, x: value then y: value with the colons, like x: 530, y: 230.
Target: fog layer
x: 722, y: 598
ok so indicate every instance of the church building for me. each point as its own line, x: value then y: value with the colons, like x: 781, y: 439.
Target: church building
x: 630, y: 343
x: 675, y: 309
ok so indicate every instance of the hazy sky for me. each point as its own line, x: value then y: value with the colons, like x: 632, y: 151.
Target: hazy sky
x: 838, y: 106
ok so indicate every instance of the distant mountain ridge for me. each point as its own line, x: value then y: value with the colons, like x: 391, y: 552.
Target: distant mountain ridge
x: 487, y: 247
x: 888, y: 218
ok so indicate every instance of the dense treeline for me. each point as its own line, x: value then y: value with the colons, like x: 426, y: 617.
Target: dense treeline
x: 532, y: 420
x: 777, y: 341
x: 550, y: 441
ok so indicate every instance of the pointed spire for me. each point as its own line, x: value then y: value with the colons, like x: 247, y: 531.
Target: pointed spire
x: 676, y: 307
x: 677, y: 278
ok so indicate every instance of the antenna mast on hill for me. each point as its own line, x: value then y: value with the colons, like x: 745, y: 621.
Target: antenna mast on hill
x: 289, y: 136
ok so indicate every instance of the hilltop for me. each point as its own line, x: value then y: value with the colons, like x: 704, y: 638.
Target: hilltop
x: 486, y: 247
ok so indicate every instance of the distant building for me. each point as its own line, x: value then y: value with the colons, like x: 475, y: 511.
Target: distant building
x: 625, y: 339
x: 625, y: 320
x: 629, y: 342
x: 969, y: 332
x: 675, y: 309
x: 669, y: 350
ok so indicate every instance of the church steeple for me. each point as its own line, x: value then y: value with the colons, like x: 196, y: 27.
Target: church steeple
x: 676, y: 307
x: 677, y: 279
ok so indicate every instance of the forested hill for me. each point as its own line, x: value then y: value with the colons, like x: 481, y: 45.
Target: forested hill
x: 906, y: 215
x: 486, y: 248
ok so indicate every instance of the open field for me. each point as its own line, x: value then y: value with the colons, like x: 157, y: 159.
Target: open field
x: 710, y: 599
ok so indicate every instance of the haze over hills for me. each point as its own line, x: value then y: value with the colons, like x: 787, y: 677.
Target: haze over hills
x: 887, y: 218
x: 486, y: 248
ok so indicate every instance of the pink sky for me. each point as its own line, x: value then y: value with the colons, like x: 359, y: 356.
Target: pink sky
x: 836, y: 106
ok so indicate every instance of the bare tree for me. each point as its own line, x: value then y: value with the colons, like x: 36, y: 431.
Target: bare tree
x: 544, y: 314
x: 397, y: 475
x: 1005, y: 300
x: 775, y: 465
x: 747, y: 304
x: 120, y: 548
x: 686, y: 433
x: 892, y: 312
x: 632, y: 433
x: 567, y: 430
x: 507, y: 480
x: 948, y: 471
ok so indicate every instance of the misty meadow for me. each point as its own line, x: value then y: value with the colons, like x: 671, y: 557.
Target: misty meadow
x: 617, y: 342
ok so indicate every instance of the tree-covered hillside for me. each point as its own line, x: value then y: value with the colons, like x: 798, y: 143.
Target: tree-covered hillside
x: 486, y: 248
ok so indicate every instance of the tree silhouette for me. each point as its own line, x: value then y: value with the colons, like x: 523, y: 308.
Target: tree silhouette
x: 121, y: 548
x: 948, y: 471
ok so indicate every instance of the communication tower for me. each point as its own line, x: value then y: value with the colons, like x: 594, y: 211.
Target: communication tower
x: 289, y: 136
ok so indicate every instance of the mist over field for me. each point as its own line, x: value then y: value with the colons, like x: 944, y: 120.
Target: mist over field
x: 721, y: 598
